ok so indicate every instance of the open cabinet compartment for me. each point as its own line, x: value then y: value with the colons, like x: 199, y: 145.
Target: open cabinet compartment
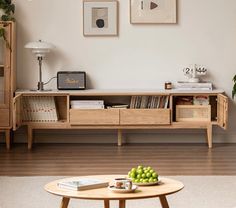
x: 58, y: 113
x: 103, y: 116
x: 216, y: 112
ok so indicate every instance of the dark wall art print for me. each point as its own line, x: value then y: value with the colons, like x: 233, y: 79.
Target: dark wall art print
x: 100, y: 17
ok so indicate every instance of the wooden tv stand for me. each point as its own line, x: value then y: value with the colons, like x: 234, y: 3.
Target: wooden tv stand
x: 203, y: 117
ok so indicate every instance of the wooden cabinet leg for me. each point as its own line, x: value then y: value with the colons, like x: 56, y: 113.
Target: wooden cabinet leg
x: 8, y: 138
x: 119, y: 137
x: 30, y: 137
x: 209, y: 136
x: 121, y: 203
x: 106, y: 204
x: 64, y: 202
x: 164, y: 202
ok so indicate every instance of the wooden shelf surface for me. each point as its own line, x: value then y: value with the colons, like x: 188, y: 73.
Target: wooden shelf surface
x: 119, y: 92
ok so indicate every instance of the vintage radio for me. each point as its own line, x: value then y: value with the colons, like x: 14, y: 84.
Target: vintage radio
x: 71, y: 80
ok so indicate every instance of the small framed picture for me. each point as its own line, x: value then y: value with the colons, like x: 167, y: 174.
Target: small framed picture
x: 100, y: 17
x: 153, y: 11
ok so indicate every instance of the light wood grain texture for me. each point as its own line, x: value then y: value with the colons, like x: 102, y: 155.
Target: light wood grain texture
x: 222, y: 111
x: 94, y: 117
x: 122, y: 92
x: 144, y: 116
x: 164, y: 202
x: 17, y: 112
x: 106, y: 204
x: 124, y: 118
x: 7, y: 67
x: 209, y: 136
x: 121, y: 203
x: 62, y: 107
x: 65, y: 202
x: 167, y: 187
x: 30, y: 137
x: 9, y: 72
x: 8, y: 138
x: 4, y: 117
x: 119, y: 137
x: 193, y: 113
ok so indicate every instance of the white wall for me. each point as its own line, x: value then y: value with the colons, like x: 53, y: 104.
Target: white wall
x: 142, y: 56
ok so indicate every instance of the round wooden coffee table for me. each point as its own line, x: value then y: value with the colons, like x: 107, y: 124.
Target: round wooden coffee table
x: 166, y: 187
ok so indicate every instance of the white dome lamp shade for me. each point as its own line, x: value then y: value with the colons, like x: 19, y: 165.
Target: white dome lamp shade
x: 40, y: 49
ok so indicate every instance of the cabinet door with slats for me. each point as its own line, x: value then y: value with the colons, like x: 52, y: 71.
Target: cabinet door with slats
x: 5, y: 66
x: 222, y: 111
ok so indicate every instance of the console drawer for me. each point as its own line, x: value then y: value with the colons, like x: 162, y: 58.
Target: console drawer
x: 4, y: 118
x: 144, y: 116
x: 94, y: 117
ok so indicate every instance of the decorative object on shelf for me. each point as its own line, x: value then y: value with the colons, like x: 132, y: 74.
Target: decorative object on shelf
x: 234, y: 87
x: 194, y: 72
x: 153, y: 11
x: 100, y: 17
x: 40, y: 49
x: 194, y: 86
x: 87, y: 104
x: 71, y: 80
x: 7, y: 10
x: 168, y: 85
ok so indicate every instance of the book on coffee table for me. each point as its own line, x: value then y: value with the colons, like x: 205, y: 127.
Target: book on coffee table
x: 81, y: 184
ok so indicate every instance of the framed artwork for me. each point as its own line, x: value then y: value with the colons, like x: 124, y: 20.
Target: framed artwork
x: 100, y: 17
x: 153, y: 11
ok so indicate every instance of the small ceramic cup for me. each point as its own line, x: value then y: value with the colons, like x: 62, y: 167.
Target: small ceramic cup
x: 123, y: 183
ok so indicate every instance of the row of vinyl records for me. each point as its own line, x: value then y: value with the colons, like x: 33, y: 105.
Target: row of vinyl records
x: 149, y: 102
x: 39, y: 108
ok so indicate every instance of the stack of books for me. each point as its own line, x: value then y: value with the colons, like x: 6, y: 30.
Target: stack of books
x: 83, y: 184
x: 194, y: 86
x: 117, y: 105
x: 149, y: 102
x: 39, y: 109
x: 87, y: 104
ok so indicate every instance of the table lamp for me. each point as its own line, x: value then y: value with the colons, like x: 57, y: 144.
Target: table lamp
x: 40, y: 49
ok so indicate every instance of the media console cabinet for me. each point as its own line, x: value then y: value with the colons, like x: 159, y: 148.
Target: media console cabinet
x: 173, y: 116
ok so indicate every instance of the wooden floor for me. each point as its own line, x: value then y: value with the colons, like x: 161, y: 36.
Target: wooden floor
x: 77, y: 159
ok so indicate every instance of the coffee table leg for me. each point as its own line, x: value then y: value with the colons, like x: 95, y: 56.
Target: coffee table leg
x: 121, y: 203
x: 64, y: 202
x: 164, y: 202
x: 106, y: 204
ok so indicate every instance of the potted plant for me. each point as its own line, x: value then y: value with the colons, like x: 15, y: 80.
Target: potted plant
x: 7, y: 10
x: 234, y: 87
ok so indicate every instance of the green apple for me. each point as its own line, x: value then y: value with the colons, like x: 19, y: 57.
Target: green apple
x: 133, y: 170
x: 133, y: 175
x: 150, y: 180
x: 140, y: 171
x: 155, y: 180
x: 143, y: 175
x: 154, y: 175
x: 148, y: 175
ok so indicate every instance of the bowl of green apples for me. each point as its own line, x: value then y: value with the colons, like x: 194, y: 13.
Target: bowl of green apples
x: 143, y: 176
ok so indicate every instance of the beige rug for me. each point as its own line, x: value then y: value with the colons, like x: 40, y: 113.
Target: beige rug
x: 199, y: 192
